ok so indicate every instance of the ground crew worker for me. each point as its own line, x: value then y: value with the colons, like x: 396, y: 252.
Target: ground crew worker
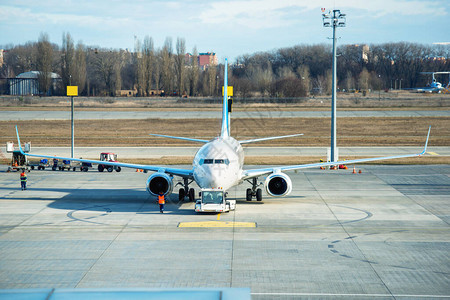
x: 23, y: 180
x: 161, y: 201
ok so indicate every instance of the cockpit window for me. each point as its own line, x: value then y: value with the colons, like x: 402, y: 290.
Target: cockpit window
x: 208, y: 161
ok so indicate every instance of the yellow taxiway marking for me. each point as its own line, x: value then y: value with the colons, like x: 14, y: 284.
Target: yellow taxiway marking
x: 217, y: 224
x: 218, y: 217
x: 432, y: 153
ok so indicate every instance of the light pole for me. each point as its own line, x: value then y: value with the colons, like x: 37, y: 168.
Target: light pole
x: 333, y: 19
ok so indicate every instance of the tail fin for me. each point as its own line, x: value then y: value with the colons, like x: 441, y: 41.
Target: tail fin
x: 225, y: 132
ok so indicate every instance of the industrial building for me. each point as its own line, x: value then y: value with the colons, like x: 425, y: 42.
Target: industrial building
x: 28, y: 84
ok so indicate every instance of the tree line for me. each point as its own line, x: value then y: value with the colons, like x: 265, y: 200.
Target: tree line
x: 287, y: 72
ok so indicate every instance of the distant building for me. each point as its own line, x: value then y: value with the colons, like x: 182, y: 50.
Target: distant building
x: 27, y: 84
x: 188, y: 58
x: 1, y: 57
x: 204, y: 60
x: 207, y: 59
x: 364, y: 51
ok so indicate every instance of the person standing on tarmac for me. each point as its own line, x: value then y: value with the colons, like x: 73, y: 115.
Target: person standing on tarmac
x: 23, y: 180
x: 161, y: 201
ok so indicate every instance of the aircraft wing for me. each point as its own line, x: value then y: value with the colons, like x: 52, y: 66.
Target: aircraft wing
x: 172, y: 171
x: 247, y: 174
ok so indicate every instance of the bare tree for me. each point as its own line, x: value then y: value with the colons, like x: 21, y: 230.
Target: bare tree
x: 179, y: 64
x: 79, y: 74
x: 44, y: 61
x: 107, y: 65
x: 149, y: 62
x: 67, y: 59
x: 349, y: 81
x: 140, y: 68
x: 194, y: 73
x: 363, y: 81
x: 304, y: 76
x: 329, y: 81
x: 166, y: 66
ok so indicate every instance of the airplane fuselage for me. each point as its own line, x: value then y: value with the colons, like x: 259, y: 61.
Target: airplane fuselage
x: 218, y: 164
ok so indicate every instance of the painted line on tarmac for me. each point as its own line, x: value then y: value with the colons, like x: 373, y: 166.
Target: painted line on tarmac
x: 216, y: 224
x: 432, y: 153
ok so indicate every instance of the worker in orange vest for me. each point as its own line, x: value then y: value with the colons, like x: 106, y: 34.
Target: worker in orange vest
x: 161, y: 201
x: 23, y: 180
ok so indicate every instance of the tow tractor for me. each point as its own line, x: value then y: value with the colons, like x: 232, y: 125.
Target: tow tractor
x: 111, y: 157
x: 214, y: 200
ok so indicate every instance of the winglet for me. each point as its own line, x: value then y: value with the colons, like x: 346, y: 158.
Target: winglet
x: 18, y: 141
x: 426, y: 142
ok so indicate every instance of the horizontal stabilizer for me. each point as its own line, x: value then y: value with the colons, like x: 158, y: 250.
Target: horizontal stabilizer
x: 181, y: 138
x: 269, y: 138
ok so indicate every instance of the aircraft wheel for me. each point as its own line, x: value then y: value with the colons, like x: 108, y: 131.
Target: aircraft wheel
x: 191, y: 194
x: 249, y: 195
x: 181, y: 194
x: 258, y: 195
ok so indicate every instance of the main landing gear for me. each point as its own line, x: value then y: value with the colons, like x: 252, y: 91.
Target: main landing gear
x: 186, y: 191
x: 254, y: 192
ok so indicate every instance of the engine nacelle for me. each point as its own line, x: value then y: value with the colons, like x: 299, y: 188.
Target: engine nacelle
x: 159, y: 181
x: 278, y: 185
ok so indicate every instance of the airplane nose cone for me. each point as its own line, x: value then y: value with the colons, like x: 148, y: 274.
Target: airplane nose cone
x: 209, y: 178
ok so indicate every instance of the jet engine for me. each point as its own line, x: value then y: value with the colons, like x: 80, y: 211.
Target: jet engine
x: 278, y: 185
x: 158, y: 182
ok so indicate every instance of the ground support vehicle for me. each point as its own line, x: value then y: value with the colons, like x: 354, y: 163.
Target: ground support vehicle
x: 83, y: 167
x: 65, y: 165
x: 111, y: 157
x: 18, y: 162
x: 41, y: 165
x: 214, y: 200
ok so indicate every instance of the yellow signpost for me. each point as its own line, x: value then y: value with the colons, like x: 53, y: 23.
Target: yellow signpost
x: 72, y: 90
x: 229, y: 91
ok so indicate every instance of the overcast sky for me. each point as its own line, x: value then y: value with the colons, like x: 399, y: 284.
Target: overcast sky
x: 229, y: 28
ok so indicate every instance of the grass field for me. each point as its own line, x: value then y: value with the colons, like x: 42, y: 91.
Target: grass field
x: 389, y: 131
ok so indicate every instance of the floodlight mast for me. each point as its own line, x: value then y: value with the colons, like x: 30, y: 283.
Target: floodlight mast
x: 333, y: 19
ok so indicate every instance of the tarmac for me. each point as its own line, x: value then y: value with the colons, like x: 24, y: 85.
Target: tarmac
x: 380, y: 234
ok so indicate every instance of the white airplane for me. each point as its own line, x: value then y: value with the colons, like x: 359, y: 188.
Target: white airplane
x: 219, y: 165
x: 435, y: 86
